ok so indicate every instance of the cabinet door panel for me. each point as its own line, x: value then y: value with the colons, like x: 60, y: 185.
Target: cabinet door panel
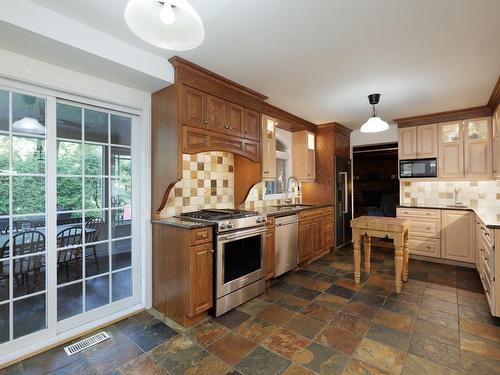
x: 478, y: 153
x: 427, y: 141
x: 235, y: 119
x: 407, y: 143
x: 215, y: 113
x: 269, y: 255
x: 252, y: 124
x: 268, y: 144
x: 456, y: 236
x: 305, y: 241
x: 193, y: 107
x: 317, y: 236
x: 496, y: 143
x: 200, y: 276
x: 451, y: 161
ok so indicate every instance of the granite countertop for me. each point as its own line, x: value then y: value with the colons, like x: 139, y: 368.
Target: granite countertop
x: 282, y: 211
x: 181, y: 223
x: 490, y: 216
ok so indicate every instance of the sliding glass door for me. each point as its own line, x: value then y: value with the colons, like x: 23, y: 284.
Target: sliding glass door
x: 66, y: 214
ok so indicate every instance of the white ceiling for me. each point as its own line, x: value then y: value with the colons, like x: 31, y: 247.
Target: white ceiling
x: 320, y: 59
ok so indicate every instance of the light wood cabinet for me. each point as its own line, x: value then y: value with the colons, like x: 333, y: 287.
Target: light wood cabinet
x: 427, y: 141
x: 407, y: 143
x: 269, y: 256
x: 252, y: 124
x: 268, y: 143
x: 200, y: 276
x: 305, y: 241
x: 451, y: 150
x: 456, y: 235
x: 425, y: 231
x: 496, y: 143
x: 478, y: 142
x: 304, y: 155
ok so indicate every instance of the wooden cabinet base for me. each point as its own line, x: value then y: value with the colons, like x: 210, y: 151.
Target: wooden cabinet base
x: 182, y: 273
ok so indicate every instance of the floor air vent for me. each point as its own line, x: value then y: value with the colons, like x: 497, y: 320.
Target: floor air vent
x: 86, y: 343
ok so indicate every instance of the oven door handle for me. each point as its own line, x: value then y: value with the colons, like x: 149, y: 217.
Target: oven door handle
x: 245, y: 234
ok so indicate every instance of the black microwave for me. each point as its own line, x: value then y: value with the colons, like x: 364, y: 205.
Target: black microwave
x: 418, y: 168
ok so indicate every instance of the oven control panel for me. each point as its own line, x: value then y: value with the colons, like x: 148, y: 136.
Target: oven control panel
x: 242, y: 223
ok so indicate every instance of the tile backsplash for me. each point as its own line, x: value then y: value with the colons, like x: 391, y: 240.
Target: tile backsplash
x: 473, y: 194
x: 207, y: 182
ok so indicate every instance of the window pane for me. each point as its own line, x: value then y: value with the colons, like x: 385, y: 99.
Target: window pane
x: 28, y: 195
x: 69, y: 301
x: 122, y: 254
x: 4, y: 111
x: 4, y: 281
x: 29, y: 223
x: 28, y: 114
x: 96, y: 160
x: 121, y: 192
x: 67, y: 219
x: 69, y: 229
x: 69, y: 265
x: 280, y: 175
x: 96, y: 226
x: 4, y: 153
x: 69, y: 121
x: 69, y: 193
x: 97, y: 292
x: 96, y: 259
x: 96, y: 126
x: 29, y: 315
x: 69, y: 158
x: 28, y: 274
x: 121, y: 163
x: 96, y: 192
x: 4, y: 197
x: 121, y: 221
x: 122, y: 284
x: 28, y: 155
x: 4, y: 323
x: 120, y: 130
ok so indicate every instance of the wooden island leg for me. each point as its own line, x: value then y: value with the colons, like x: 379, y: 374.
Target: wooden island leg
x: 406, y: 257
x: 357, y: 255
x: 398, y: 260
x: 368, y: 250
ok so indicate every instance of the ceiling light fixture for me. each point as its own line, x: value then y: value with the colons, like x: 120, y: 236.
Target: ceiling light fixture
x: 374, y: 124
x: 28, y: 125
x: 169, y: 24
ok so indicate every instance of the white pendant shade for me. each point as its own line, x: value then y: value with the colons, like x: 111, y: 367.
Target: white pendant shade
x: 374, y: 125
x: 169, y: 24
x: 28, y: 125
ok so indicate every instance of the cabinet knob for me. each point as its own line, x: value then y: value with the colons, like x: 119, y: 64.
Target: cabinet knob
x: 203, y: 236
x: 205, y: 121
x: 212, y: 251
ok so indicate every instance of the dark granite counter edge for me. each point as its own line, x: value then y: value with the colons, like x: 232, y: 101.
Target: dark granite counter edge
x: 288, y: 211
x: 180, y: 223
x: 480, y: 214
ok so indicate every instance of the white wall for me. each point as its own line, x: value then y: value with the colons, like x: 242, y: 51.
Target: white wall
x: 363, y: 139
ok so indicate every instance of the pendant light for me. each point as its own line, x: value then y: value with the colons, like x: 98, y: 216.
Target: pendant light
x: 374, y: 124
x: 169, y: 24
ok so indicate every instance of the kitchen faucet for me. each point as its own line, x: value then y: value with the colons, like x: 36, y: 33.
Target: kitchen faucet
x: 286, y: 198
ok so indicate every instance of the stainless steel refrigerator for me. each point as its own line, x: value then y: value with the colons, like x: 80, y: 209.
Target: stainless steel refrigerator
x: 343, y: 206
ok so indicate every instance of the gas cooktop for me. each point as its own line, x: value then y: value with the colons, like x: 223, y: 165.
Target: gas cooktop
x: 227, y: 219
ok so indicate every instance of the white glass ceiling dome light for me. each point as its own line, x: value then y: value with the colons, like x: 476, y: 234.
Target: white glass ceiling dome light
x: 169, y: 24
x: 374, y: 124
x: 28, y: 125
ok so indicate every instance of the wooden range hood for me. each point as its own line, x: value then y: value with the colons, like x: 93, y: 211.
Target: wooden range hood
x: 172, y: 135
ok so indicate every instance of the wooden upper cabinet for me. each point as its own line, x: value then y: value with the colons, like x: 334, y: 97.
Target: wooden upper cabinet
x: 451, y: 150
x: 200, y: 276
x: 193, y: 107
x: 496, y: 143
x: 215, y: 113
x: 234, y: 119
x: 268, y: 144
x: 407, y: 143
x: 456, y: 235
x: 252, y: 124
x: 304, y: 155
x: 342, y: 145
x: 427, y: 141
x: 478, y: 143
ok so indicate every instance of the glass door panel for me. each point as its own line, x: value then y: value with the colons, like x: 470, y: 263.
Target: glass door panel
x: 23, y: 229
x: 477, y: 129
x: 450, y: 132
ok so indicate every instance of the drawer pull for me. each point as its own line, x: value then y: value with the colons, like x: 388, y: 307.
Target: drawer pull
x: 428, y: 228
x: 428, y: 247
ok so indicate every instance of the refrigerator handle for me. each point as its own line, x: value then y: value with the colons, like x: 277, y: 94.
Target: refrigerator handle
x: 345, y: 196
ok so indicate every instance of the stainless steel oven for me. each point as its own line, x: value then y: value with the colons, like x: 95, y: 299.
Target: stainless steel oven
x: 239, y: 267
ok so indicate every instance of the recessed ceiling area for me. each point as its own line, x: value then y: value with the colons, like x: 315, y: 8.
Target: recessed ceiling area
x: 320, y: 59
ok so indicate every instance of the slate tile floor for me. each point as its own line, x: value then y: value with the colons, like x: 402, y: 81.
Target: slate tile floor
x: 312, y: 321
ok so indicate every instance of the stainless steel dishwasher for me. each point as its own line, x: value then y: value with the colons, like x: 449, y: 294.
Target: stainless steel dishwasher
x: 287, y: 233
